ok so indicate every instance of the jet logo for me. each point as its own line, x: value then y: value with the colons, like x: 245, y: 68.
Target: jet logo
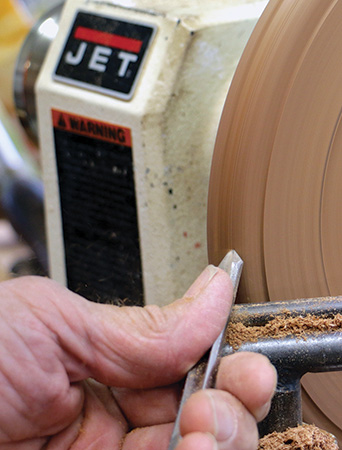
x: 104, y: 54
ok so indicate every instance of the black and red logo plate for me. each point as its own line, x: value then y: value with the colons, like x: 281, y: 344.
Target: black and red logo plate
x: 104, y: 54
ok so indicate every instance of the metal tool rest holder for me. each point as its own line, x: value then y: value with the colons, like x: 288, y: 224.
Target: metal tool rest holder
x: 293, y: 356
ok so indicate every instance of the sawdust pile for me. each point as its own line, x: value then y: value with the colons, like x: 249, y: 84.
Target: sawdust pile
x: 304, y: 437
x: 282, y: 326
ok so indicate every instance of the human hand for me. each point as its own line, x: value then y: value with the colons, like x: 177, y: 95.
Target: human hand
x: 52, y: 340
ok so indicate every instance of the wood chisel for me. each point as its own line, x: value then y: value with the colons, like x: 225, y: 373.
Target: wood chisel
x: 203, y: 374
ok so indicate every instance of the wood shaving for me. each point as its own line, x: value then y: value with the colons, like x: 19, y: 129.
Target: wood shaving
x: 282, y: 326
x: 304, y: 437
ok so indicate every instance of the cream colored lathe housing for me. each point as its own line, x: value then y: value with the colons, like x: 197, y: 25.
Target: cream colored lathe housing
x: 171, y: 115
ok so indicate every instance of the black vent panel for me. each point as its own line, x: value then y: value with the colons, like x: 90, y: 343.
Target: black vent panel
x: 97, y: 195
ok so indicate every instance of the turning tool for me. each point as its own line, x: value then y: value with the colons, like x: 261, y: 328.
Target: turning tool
x: 203, y: 374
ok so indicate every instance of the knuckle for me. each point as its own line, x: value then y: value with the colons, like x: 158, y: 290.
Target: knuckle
x: 155, y: 319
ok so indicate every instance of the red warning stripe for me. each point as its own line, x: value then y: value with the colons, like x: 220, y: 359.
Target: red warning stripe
x: 108, y: 39
x: 92, y: 128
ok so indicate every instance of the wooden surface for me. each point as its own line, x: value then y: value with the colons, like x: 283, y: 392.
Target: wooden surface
x: 276, y: 185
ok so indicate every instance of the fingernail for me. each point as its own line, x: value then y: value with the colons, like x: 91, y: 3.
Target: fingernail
x: 213, y: 442
x: 224, y: 418
x: 202, y: 281
x: 262, y: 412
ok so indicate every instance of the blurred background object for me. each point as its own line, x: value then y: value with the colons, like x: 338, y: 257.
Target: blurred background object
x: 28, y: 65
x: 22, y: 236
x: 21, y: 194
x: 36, y: 8
x: 15, y: 22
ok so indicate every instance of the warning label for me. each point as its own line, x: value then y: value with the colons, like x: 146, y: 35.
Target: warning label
x: 104, y: 54
x: 98, y: 207
x: 91, y: 128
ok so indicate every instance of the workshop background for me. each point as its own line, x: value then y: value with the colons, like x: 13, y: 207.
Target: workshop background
x: 15, y: 22
x: 20, y: 185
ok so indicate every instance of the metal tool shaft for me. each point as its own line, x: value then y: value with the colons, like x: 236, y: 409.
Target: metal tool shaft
x: 203, y: 375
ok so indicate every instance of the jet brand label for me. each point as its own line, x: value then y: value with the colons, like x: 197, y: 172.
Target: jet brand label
x: 104, y: 54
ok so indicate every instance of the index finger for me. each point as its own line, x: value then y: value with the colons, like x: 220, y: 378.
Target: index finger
x: 251, y: 378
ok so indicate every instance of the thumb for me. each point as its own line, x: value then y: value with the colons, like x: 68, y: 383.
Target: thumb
x: 150, y: 346
x: 127, y: 346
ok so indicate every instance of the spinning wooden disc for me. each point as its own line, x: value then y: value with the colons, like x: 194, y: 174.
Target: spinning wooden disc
x: 276, y: 180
